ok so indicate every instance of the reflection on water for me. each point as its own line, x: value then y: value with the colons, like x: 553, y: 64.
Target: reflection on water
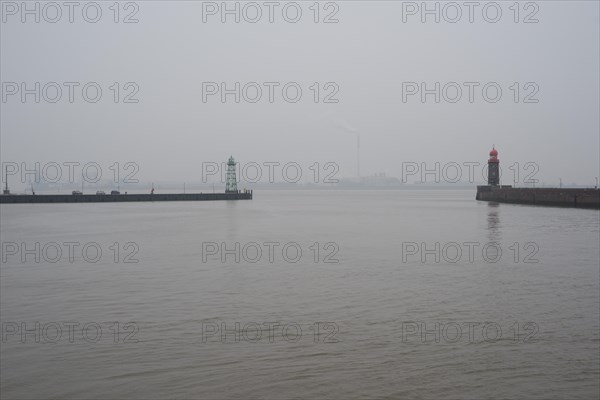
x: 493, y: 218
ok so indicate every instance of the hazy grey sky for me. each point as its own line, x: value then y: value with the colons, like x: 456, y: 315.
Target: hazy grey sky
x: 368, y: 54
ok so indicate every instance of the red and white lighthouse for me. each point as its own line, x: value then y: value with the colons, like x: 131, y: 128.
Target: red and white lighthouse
x: 493, y: 168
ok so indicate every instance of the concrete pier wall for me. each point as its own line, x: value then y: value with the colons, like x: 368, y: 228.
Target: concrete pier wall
x: 584, y: 198
x: 108, y: 198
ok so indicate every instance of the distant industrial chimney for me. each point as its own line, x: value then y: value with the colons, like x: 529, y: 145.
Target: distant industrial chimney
x: 358, y: 156
x: 6, y: 191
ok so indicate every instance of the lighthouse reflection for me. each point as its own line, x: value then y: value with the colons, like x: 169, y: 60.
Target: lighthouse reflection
x: 493, y: 222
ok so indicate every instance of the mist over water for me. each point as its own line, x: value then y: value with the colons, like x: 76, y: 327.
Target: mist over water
x: 356, y: 262
x: 377, y: 274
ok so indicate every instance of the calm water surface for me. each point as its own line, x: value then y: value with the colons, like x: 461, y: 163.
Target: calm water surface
x: 393, y: 321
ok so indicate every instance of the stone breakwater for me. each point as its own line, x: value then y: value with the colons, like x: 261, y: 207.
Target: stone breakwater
x: 581, y: 198
x: 109, y: 198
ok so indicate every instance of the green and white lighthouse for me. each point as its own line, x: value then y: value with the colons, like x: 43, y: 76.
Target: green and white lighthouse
x: 231, y: 180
